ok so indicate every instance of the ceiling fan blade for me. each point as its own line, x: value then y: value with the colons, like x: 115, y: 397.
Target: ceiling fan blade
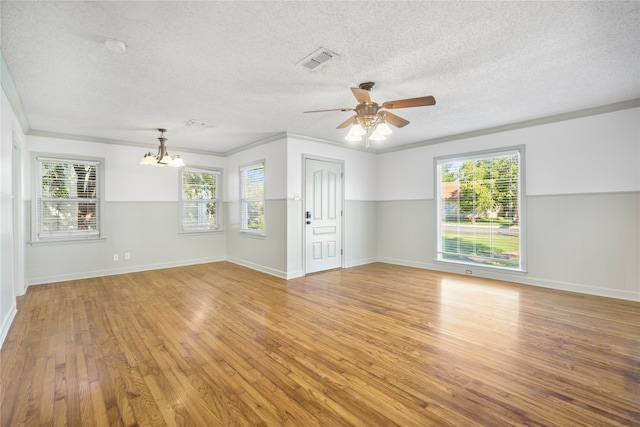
x: 397, y: 121
x: 333, y: 109
x: 362, y: 95
x: 423, y: 101
x: 349, y: 121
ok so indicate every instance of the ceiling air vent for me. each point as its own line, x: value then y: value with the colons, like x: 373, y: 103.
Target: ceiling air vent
x: 317, y: 59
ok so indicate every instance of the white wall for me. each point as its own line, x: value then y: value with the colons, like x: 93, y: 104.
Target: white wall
x: 582, y: 190
x: 140, y: 217
x: 581, y: 174
x: 125, y: 179
x: 586, y: 155
x: 264, y: 253
x: 359, y: 209
x: 10, y: 285
x: 359, y: 167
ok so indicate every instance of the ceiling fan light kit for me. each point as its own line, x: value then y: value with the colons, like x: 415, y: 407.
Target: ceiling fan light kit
x: 162, y: 158
x: 369, y: 115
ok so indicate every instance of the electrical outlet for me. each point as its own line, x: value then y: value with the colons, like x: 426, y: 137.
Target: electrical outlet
x: 115, y: 257
x: 127, y: 255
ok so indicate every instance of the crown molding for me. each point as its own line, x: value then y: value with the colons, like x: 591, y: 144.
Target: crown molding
x: 335, y: 143
x: 16, y: 103
x: 6, y: 81
x: 609, y: 108
x: 83, y: 138
x: 267, y: 140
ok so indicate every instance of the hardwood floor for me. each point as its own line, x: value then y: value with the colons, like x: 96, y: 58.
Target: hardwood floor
x: 377, y: 345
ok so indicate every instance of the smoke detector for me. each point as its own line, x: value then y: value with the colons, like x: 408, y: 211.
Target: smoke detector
x: 115, y: 45
x: 317, y: 59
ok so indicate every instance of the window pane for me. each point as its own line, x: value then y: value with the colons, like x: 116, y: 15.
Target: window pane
x: 252, y: 197
x: 67, y: 198
x: 479, y: 210
x: 254, y: 183
x: 195, y: 214
x: 199, y: 200
x: 254, y: 215
x: 197, y: 185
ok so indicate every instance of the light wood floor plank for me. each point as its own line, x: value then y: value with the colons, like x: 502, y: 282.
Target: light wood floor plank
x: 376, y: 345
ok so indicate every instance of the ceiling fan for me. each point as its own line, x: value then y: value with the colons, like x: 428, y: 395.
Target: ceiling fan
x: 370, y: 114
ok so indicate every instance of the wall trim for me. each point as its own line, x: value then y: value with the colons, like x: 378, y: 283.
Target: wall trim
x: 358, y: 262
x: 7, y: 321
x: 14, y: 98
x: 261, y: 268
x: 295, y: 274
x: 6, y: 81
x: 125, y: 270
x: 84, y: 138
x: 618, y: 106
x: 273, y: 138
x: 528, y: 196
x: 520, y: 279
x: 341, y: 144
x: 598, y: 193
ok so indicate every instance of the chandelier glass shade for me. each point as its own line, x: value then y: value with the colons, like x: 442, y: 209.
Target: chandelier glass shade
x: 162, y: 158
x: 362, y: 126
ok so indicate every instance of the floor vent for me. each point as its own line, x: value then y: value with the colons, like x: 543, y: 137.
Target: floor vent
x: 317, y: 59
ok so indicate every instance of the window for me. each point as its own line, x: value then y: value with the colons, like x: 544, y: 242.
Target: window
x: 67, y: 200
x: 479, y: 209
x: 199, y: 199
x: 252, y: 198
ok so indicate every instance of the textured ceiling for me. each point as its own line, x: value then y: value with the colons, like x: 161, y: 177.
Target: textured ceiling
x: 235, y: 65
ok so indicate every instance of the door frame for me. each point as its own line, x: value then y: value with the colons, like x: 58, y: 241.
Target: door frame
x: 303, y: 224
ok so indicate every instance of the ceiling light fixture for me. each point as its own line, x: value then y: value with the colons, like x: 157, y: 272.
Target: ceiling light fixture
x: 364, y: 123
x: 369, y: 114
x: 381, y: 130
x: 162, y: 158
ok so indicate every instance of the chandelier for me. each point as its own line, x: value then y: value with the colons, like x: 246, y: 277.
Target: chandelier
x: 162, y: 158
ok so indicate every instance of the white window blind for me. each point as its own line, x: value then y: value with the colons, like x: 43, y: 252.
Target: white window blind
x: 252, y: 198
x: 479, y: 209
x: 67, y: 199
x: 199, y: 199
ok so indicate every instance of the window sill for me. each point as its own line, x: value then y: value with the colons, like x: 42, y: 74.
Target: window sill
x: 463, y: 267
x: 67, y: 241
x: 253, y: 234
x: 197, y: 232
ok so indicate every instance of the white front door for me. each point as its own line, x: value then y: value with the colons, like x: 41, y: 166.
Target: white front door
x: 323, y: 215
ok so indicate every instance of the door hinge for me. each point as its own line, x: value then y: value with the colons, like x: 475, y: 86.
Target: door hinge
x: 341, y: 252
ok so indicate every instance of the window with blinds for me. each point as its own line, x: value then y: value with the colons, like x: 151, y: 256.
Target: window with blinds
x: 479, y: 209
x: 252, y: 198
x: 199, y: 200
x: 67, y: 199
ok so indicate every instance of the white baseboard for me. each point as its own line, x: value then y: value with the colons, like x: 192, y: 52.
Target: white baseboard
x: 518, y: 277
x: 357, y: 262
x: 268, y: 270
x: 124, y: 270
x: 295, y: 274
x: 6, y: 323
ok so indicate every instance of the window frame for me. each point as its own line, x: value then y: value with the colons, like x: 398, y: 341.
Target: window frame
x: 200, y: 227
x: 244, y: 201
x: 38, y: 235
x: 479, y: 155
